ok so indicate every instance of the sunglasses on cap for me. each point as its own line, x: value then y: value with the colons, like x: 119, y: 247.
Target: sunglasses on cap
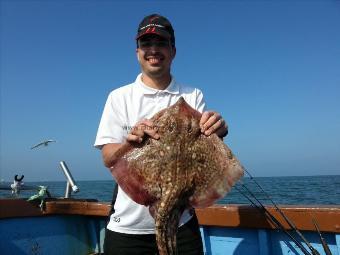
x: 148, y: 43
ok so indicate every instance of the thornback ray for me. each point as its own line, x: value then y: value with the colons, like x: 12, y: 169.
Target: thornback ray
x: 182, y: 169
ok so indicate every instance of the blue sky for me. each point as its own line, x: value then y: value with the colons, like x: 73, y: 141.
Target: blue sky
x: 272, y: 68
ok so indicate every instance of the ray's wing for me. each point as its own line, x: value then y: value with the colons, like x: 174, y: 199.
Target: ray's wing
x: 216, y: 168
x: 138, y: 170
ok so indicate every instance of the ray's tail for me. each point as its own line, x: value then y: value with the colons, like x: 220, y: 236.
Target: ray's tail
x: 169, y: 212
x: 166, y: 233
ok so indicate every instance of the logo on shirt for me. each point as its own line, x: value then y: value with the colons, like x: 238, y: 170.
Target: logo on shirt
x: 116, y: 219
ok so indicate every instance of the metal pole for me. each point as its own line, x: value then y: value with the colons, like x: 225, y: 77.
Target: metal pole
x: 68, y: 190
x: 70, y: 180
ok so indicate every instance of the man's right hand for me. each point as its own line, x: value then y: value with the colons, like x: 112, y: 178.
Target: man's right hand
x: 142, y: 127
x: 137, y: 134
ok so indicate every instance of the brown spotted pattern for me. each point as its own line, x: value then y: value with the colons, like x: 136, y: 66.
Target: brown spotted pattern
x: 183, y: 169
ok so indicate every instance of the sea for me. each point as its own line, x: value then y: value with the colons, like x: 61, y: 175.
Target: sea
x: 292, y: 190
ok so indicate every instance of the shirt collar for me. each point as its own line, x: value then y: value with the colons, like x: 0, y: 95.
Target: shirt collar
x: 173, y: 87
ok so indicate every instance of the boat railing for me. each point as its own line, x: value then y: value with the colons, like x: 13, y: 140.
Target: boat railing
x: 70, y: 183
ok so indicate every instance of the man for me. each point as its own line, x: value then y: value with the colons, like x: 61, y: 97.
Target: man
x: 125, y: 118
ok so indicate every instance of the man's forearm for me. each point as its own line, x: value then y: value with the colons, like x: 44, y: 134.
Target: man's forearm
x: 109, y: 153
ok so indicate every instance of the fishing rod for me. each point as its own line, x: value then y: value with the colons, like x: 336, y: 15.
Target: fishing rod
x: 290, y: 223
x: 262, y: 209
x: 323, y: 241
x: 276, y: 223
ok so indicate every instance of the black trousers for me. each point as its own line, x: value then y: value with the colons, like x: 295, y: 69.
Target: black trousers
x: 189, y: 242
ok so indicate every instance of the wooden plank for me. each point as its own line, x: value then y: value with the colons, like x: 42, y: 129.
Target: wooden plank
x: 78, y: 207
x: 18, y: 208
x: 249, y: 217
x: 10, y: 208
x: 238, y: 216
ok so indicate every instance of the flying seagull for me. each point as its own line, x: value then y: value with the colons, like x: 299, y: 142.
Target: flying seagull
x: 45, y: 143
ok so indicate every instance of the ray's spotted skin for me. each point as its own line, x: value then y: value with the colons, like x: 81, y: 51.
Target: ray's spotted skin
x: 182, y: 169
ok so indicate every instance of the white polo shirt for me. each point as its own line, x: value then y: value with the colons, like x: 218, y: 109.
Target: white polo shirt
x: 124, y: 107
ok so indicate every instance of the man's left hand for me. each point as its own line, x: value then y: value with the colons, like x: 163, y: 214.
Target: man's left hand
x: 212, y: 122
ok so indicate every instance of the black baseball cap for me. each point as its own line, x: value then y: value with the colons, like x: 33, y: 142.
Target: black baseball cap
x: 156, y: 24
